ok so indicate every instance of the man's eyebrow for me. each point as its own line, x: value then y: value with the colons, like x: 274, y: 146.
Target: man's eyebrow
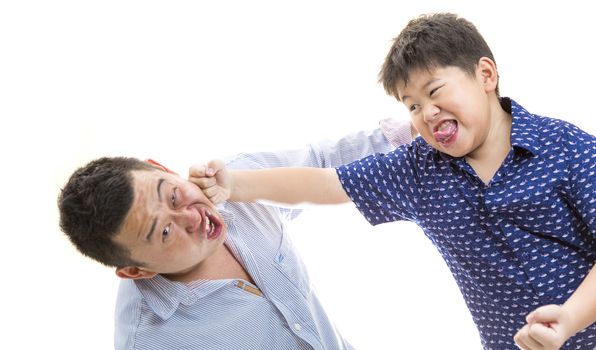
x: 159, y: 183
x: 148, y: 236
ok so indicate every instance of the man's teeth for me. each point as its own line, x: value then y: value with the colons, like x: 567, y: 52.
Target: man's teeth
x: 208, y: 226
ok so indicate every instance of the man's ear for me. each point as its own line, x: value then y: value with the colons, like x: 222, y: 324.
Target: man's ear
x: 487, y: 69
x: 134, y: 272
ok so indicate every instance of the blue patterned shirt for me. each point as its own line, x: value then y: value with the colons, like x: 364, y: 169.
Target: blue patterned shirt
x: 228, y: 314
x: 526, y: 239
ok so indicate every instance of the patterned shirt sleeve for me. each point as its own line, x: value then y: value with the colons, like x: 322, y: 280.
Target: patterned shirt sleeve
x: 582, y: 174
x: 383, y: 186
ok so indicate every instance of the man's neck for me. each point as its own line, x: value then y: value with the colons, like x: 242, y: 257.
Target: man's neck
x: 222, y: 264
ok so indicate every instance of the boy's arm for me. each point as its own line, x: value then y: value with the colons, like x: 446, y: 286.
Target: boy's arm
x: 325, y: 154
x: 550, y: 326
x: 282, y: 185
x: 582, y: 303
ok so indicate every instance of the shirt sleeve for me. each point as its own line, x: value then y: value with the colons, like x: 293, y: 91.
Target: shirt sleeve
x: 327, y: 153
x: 384, y: 187
x: 582, y: 170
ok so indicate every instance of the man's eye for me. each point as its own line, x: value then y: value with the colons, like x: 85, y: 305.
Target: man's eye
x: 173, y: 197
x: 165, y: 233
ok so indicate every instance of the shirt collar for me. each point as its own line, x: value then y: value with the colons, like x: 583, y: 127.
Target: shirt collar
x: 164, y: 296
x: 524, y: 130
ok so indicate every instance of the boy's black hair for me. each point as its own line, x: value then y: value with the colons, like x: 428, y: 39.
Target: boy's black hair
x: 432, y: 41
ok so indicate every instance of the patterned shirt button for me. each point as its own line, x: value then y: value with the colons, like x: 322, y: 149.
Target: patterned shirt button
x: 297, y: 327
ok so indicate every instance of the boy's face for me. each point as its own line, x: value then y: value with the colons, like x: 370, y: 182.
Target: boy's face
x: 449, y: 107
x: 171, y: 227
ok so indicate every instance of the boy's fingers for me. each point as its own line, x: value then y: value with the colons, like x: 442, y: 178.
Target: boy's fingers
x: 545, y: 314
x: 212, y: 193
x: 203, y: 182
x: 215, y: 165
x: 209, y: 169
x: 197, y: 170
x: 543, y: 334
x: 524, y: 340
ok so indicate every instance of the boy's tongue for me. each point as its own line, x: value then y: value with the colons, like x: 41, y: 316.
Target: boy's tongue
x: 445, y: 130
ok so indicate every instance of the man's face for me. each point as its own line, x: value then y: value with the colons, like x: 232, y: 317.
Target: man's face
x: 172, y: 227
x: 449, y: 108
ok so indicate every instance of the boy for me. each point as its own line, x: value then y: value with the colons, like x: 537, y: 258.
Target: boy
x: 507, y: 197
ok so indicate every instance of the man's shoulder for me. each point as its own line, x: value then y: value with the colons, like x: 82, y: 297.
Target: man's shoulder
x: 128, y: 294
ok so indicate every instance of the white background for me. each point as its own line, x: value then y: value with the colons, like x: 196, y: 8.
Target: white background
x: 185, y: 81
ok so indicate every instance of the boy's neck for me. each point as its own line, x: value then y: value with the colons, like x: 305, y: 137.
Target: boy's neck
x: 487, y: 158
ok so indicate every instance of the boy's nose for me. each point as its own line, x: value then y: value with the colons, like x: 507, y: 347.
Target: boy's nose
x: 430, y: 112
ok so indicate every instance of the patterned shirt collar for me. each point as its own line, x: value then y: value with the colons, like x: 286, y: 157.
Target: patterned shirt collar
x: 524, y: 131
x: 164, y: 296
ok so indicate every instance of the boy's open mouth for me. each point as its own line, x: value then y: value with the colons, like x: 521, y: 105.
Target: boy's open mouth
x: 444, y: 132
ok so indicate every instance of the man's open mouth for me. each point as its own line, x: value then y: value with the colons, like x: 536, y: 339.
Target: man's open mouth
x: 212, y: 225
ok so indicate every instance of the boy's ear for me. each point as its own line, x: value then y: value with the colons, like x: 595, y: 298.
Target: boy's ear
x: 134, y: 272
x: 487, y: 70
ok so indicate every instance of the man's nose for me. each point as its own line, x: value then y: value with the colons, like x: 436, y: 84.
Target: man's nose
x: 430, y: 112
x: 189, y: 218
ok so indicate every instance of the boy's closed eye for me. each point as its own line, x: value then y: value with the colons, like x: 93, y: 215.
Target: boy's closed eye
x: 434, y: 90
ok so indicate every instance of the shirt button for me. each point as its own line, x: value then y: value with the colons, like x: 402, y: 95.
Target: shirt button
x: 297, y: 327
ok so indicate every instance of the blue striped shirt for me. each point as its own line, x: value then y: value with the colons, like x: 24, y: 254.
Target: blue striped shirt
x: 230, y: 314
x: 526, y: 239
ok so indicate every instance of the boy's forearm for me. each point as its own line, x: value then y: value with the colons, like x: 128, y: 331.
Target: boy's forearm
x: 288, y: 185
x: 582, y: 303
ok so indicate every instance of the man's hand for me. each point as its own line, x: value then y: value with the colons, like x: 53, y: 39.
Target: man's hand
x: 547, y: 329
x: 214, y: 179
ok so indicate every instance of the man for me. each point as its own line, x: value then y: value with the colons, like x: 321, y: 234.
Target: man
x: 199, y: 276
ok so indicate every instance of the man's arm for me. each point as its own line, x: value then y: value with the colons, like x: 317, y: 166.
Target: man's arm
x: 282, y: 185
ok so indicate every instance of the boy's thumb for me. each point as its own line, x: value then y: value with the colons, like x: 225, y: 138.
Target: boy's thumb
x: 544, y: 314
x: 214, y: 166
